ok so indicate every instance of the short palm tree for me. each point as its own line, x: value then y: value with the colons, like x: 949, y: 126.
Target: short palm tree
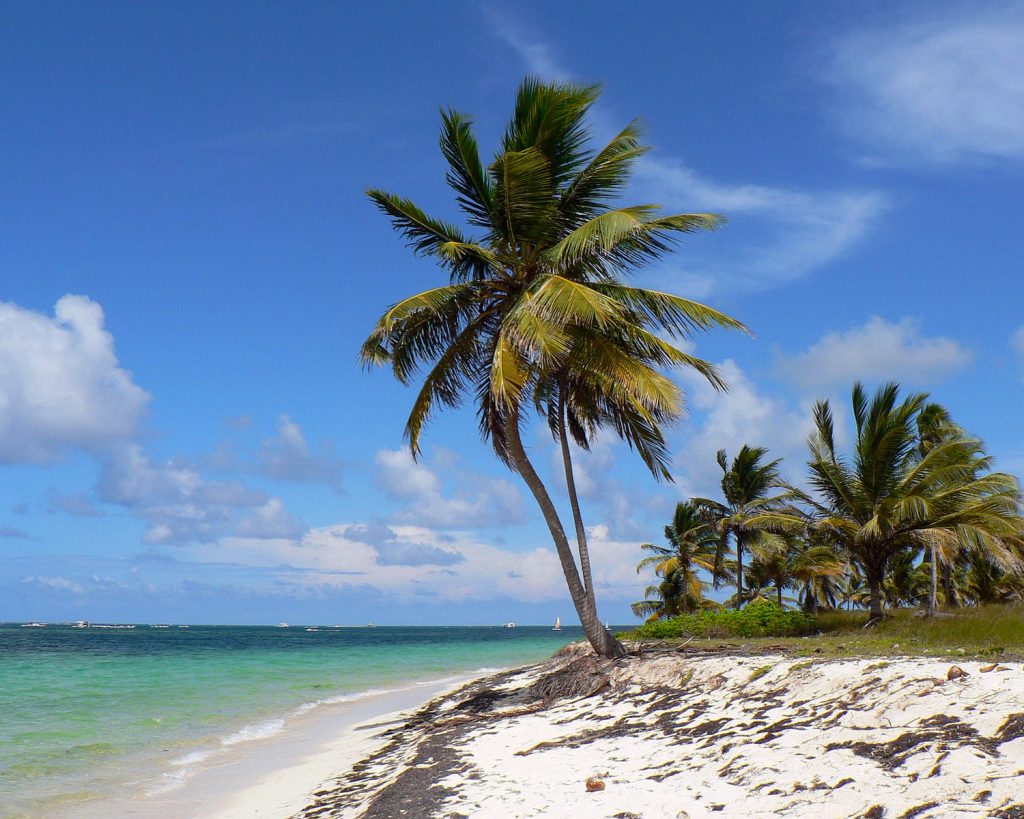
x: 746, y: 484
x: 537, y: 312
x: 691, y: 547
x: 892, y: 496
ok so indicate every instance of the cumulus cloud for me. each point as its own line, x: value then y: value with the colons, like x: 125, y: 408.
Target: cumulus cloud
x: 623, y: 507
x: 876, y: 351
x: 392, y: 550
x: 179, y: 505
x: 945, y: 87
x: 476, y: 501
x: 338, y: 557
x: 776, y: 234
x: 287, y: 456
x: 745, y: 414
x: 61, y: 387
x: 271, y: 520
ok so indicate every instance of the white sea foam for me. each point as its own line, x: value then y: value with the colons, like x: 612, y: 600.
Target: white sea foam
x: 260, y: 730
x: 193, y: 758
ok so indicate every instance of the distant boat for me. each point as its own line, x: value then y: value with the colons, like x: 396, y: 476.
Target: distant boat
x: 558, y: 624
x: 370, y: 625
x: 80, y: 624
x: 282, y: 625
x: 33, y: 625
x: 510, y: 625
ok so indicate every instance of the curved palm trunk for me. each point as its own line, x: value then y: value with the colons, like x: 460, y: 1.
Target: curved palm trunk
x: 778, y: 592
x: 598, y: 636
x: 574, y: 502
x: 739, y: 571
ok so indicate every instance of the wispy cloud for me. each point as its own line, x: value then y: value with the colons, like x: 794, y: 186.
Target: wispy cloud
x: 944, y: 87
x: 1017, y: 344
x: 776, y: 235
x: 537, y: 55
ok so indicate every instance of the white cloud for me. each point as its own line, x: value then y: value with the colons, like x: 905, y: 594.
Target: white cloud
x: 774, y: 235
x: 477, y: 500
x: 876, y: 351
x: 1017, y: 343
x: 434, y: 565
x: 537, y: 55
x: 61, y: 386
x: 945, y: 87
x: 179, y: 505
x: 287, y: 456
x: 271, y: 520
x: 623, y: 508
x: 743, y: 415
x: 57, y: 583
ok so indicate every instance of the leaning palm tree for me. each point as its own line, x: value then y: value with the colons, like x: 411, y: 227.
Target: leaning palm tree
x: 891, y: 496
x: 691, y: 547
x: 537, y: 312
x: 746, y: 484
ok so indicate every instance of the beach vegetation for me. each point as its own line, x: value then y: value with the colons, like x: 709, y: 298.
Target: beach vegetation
x: 536, y: 316
x: 913, y: 516
x: 762, y: 618
x: 898, y: 493
x: 692, y: 547
x: 747, y: 488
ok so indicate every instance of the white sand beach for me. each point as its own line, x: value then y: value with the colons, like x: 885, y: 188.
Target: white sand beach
x: 713, y: 735
x: 667, y: 735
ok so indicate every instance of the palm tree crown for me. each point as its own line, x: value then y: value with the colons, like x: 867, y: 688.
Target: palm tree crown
x: 536, y: 311
x: 692, y: 544
x: 896, y: 494
x: 746, y: 483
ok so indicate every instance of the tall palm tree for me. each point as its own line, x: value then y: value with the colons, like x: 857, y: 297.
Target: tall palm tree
x: 892, y: 496
x: 691, y: 547
x: 746, y: 483
x: 537, y: 311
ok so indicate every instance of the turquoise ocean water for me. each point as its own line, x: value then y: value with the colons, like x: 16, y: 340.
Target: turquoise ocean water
x: 90, y: 713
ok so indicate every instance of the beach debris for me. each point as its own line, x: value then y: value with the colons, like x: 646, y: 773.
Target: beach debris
x: 594, y: 784
x: 956, y: 672
x: 987, y: 668
x: 584, y: 676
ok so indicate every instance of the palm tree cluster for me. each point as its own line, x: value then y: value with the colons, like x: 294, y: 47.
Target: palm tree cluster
x: 537, y: 316
x: 912, y: 515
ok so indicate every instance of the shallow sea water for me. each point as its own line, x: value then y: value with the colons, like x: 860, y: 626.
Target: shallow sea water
x: 90, y: 713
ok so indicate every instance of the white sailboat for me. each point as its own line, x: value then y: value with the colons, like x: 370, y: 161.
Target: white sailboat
x: 558, y: 624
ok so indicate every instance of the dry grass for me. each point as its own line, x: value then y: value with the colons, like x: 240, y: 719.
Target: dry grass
x: 995, y: 632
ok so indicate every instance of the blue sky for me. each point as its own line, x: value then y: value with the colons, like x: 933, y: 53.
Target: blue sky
x: 188, y: 265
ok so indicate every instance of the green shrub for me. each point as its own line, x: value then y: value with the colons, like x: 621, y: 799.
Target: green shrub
x: 759, y: 619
